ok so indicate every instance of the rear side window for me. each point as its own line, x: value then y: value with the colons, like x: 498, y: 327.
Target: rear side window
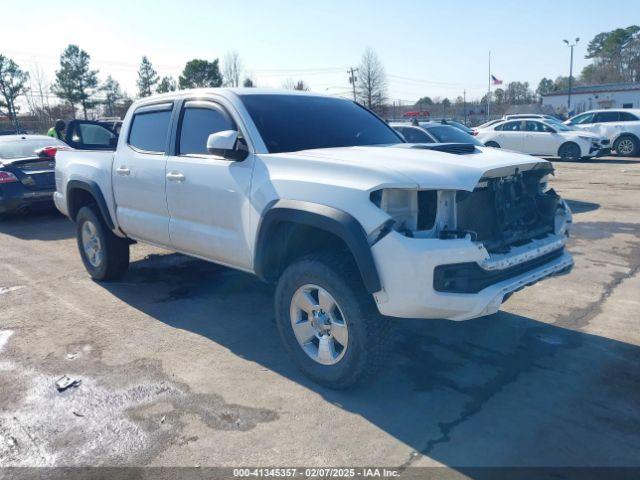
x: 604, y: 117
x: 415, y: 135
x: 149, y: 131
x: 197, y: 125
x: 627, y: 117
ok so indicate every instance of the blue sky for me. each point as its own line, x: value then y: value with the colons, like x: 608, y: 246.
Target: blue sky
x: 434, y: 48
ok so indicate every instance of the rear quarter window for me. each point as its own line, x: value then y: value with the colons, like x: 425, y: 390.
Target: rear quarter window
x: 149, y: 131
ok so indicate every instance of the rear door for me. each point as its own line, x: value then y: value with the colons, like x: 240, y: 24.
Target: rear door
x: 511, y: 136
x: 208, y: 195
x: 138, y: 174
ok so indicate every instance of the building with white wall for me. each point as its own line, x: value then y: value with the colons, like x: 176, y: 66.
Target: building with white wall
x: 590, y: 97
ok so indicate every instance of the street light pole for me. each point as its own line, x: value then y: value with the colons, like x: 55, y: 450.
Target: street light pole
x: 570, y: 45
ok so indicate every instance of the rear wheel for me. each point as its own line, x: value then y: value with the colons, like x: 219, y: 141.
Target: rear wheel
x: 626, y: 146
x: 492, y: 144
x: 329, y: 323
x: 105, y: 255
x: 569, y: 151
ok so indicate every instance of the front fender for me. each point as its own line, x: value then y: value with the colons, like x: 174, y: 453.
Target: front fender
x: 329, y: 219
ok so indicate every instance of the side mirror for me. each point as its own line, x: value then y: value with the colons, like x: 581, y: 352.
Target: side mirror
x: 224, y: 143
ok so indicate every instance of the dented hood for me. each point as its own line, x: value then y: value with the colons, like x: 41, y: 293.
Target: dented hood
x: 431, y: 169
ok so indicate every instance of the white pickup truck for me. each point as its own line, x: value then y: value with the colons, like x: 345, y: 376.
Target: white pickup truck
x: 322, y: 197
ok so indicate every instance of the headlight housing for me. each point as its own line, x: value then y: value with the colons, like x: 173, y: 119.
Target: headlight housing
x: 414, y: 212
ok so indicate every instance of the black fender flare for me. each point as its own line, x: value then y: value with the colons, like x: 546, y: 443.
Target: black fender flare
x: 329, y: 219
x: 94, y: 189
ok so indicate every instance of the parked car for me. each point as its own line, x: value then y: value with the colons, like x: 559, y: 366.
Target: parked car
x: 26, y: 171
x: 351, y: 223
x: 451, y: 123
x: 621, y: 127
x: 433, y: 133
x: 542, y: 137
x: 520, y: 116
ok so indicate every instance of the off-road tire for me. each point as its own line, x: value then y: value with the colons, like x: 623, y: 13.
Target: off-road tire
x: 115, y: 250
x: 367, y: 349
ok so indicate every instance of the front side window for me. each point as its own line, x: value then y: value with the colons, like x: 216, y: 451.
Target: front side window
x: 532, y: 126
x: 149, y: 131
x: 511, y: 126
x: 583, y: 119
x: 197, y: 124
x: 93, y: 134
x: 289, y: 123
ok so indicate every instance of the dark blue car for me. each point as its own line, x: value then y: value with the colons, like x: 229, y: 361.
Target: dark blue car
x: 27, y: 178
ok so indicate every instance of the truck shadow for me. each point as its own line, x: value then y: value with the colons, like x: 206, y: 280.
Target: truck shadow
x: 46, y: 224
x: 500, y: 391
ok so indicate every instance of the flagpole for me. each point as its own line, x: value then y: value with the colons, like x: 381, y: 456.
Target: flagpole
x: 489, y: 89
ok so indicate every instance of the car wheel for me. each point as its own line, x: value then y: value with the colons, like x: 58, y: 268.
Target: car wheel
x: 329, y: 323
x: 492, y: 145
x: 569, y: 151
x: 105, y: 255
x: 626, y: 146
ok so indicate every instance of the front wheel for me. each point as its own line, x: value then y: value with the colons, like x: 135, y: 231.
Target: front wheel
x: 328, y: 322
x: 569, y: 151
x: 105, y: 255
x: 492, y: 145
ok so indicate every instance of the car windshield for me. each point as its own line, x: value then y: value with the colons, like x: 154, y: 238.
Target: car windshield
x: 289, y: 123
x: 558, y: 125
x: 447, y: 134
x: 24, y: 148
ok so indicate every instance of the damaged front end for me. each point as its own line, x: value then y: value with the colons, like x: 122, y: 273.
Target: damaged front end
x: 466, y: 251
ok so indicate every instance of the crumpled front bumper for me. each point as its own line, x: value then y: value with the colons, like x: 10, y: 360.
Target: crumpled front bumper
x: 406, y: 268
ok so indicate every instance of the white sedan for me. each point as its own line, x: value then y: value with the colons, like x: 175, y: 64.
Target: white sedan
x: 542, y: 137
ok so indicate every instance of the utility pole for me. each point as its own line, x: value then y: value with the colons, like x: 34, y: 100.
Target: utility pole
x: 352, y: 80
x: 570, y: 45
x: 464, y: 105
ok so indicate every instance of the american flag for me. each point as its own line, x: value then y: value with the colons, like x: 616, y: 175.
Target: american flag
x: 495, y: 81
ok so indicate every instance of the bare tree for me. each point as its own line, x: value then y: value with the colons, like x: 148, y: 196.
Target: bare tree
x: 13, y: 83
x: 38, y: 95
x: 232, y: 69
x: 291, y: 84
x: 372, y: 81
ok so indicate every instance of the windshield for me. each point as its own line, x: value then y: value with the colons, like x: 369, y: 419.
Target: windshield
x: 558, y: 125
x: 447, y: 134
x: 289, y: 123
x: 25, y: 148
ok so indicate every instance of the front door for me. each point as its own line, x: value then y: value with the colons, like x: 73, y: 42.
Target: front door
x: 138, y: 174
x: 208, y: 195
x: 511, y: 136
x: 540, y: 139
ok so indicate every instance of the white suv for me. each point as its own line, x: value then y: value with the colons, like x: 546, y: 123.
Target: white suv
x: 321, y: 197
x: 621, y: 127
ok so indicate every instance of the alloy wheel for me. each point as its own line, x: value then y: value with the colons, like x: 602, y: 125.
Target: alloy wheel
x: 319, y: 325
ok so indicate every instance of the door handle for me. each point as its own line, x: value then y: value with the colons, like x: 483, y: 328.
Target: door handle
x: 175, y: 177
x: 123, y: 170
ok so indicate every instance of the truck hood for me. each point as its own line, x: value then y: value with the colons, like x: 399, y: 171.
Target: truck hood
x: 430, y: 169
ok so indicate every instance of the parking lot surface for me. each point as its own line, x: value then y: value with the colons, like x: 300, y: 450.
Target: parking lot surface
x: 180, y: 362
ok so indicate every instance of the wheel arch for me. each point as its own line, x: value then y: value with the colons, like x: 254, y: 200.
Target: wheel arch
x: 626, y: 134
x: 78, y: 194
x: 282, y: 218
